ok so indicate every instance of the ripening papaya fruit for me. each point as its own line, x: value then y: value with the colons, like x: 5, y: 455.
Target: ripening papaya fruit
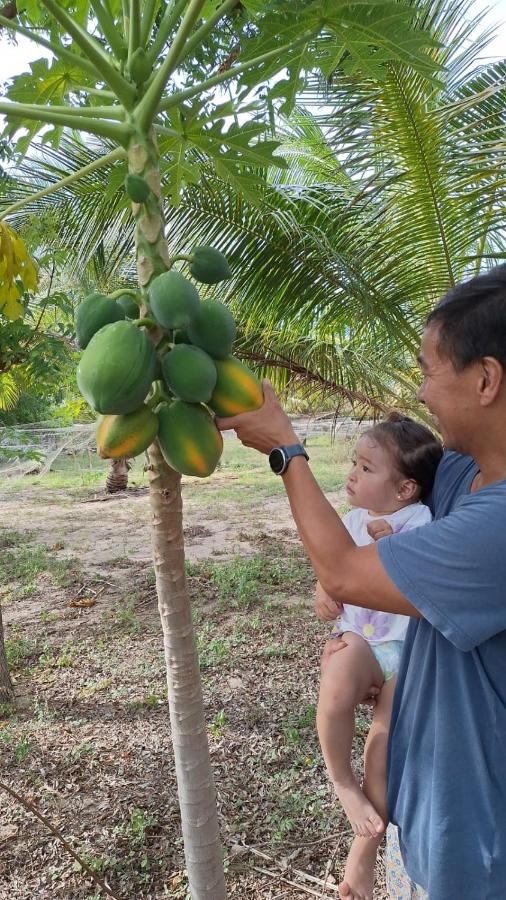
x: 136, y: 188
x: 189, y: 439
x: 209, y: 265
x: 189, y: 373
x: 95, y: 311
x: 129, y: 306
x: 173, y: 299
x: 126, y: 436
x: 213, y: 329
x: 237, y: 389
x: 116, y: 369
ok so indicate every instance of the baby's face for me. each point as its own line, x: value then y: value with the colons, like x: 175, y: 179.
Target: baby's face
x: 373, y: 482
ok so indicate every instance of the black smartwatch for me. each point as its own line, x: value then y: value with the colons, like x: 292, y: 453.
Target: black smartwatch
x: 280, y: 457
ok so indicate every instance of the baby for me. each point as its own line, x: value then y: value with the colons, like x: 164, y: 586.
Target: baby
x: 393, y: 472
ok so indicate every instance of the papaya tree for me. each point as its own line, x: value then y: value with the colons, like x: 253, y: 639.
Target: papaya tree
x: 147, y: 78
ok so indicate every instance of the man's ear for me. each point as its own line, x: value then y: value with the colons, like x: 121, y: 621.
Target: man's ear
x: 408, y: 490
x: 491, y: 380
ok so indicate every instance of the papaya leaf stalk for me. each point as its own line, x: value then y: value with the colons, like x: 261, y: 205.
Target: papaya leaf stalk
x: 109, y: 29
x: 172, y: 13
x: 148, y: 18
x: 187, y: 93
x: 146, y: 109
x: 117, y: 133
x: 134, y: 35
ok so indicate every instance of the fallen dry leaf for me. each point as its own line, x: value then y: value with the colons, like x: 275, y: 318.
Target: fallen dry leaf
x: 82, y: 602
x: 7, y: 832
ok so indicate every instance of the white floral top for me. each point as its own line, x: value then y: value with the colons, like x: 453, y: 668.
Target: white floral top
x: 370, y: 624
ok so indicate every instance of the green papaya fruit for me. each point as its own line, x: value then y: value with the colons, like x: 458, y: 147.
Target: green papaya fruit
x: 126, y: 436
x: 189, y: 373
x: 116, y: 369
x: 139, y: 67
x: 137, y: 189
x: 95, y: 311
x: 209, y: 265
x: 189, y: 439
x: 213, y: 329
x: 174, y: 301
x: 129, y: 306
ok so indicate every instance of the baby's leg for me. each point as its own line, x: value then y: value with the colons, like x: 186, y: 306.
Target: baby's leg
x: 375, y: 750
x: 359, y: 872
x: 345, y: 680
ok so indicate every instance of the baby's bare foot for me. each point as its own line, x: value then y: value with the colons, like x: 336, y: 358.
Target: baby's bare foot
x: 358, y: 881
x: 361, y: 814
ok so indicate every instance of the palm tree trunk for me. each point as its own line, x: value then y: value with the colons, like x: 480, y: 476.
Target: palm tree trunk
x: 6, y: 688
x: 196, y: 790
x: 117, y: 477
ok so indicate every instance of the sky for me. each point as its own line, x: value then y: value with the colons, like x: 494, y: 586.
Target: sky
x: 15, y: 59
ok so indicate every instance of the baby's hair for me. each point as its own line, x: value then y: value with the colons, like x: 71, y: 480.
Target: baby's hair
x: 415, y: 449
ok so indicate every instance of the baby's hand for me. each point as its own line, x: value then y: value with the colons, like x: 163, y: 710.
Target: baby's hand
x: 325, y: 607
x: 333, y: 645
x: 379, y: 528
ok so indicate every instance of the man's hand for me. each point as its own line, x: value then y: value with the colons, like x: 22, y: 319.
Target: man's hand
x: 265, y: 428
x: 379, y: 528
x: 325, y: 607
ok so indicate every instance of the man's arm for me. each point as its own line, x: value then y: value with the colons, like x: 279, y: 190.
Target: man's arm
x: 349, y: 574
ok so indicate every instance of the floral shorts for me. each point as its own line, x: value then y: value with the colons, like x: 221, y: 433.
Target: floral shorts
x: 399, y: 884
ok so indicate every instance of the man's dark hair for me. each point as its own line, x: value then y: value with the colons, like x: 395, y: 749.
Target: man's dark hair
x: 472, y: 320
x: 416, y: 451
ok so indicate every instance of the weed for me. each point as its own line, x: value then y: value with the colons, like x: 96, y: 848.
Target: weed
x: 22, y: 749
x: 216, y: 727
x: 139, y: 822
x: 7, y: 710
x: 18, y: 649
x: 125, y: 618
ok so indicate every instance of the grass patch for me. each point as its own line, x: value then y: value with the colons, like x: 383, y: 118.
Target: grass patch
x: 243, y: 582
x: 21, y: 566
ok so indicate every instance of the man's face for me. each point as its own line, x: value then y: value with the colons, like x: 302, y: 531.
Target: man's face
x: 449, y: 395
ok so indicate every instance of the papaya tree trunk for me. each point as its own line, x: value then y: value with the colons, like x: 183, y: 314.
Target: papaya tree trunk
x: 6, y: 688
x: 197, y: 798
x: 117, y: 477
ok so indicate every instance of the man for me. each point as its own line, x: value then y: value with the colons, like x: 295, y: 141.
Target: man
x: 447, y: 748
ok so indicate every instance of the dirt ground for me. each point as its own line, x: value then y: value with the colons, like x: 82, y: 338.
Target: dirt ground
x: 89, y: 743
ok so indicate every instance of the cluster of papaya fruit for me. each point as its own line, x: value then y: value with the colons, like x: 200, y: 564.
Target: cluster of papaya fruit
x: 171, y: 389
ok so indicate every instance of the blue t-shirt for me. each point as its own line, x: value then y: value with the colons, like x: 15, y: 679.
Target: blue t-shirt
x: 447, y: 748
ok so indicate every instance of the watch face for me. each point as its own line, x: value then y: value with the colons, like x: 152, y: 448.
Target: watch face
x: 277, y: 460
